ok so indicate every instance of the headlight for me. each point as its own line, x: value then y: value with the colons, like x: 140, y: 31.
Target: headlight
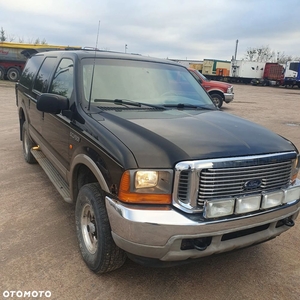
x: 230, y: 90
x: 146, y: 186
x: 146, y: 179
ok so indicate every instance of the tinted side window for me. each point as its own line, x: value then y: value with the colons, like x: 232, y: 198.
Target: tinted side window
x: 42, y: 78
x: 30, y: 70
x: 62, y: 83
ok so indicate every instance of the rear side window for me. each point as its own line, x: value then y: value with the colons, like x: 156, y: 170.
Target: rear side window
x: 62, y: 83
x: 31, y: 68
x: 42, y: 79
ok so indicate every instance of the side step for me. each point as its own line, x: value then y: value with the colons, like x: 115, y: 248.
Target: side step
x: 57, y: 180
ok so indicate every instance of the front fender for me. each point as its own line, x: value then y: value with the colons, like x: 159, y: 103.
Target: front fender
x: 83, y: 159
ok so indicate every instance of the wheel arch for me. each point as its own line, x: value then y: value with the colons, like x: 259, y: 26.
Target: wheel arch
x: 219, y: 92
x: 84, y: 170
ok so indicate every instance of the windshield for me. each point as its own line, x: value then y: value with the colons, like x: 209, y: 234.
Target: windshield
x: 139, y: 81
x: 202, y: 76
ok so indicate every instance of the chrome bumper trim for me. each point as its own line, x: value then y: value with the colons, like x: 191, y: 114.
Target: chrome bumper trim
x: 157, y: 232
x: 228, y: 97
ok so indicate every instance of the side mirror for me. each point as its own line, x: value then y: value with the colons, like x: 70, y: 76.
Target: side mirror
x: 52, y: 103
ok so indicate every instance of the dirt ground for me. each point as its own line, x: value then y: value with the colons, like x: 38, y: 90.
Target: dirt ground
x: 38, y: 247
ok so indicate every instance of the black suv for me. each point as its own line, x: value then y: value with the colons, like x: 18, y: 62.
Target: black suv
x: 158, y: 174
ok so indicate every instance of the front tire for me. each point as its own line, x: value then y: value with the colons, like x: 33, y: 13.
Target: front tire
x: 96, y: 244
x: 27, y: 143
x: 217, y: 100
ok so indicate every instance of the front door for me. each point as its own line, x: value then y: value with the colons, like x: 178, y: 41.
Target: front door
x: 56, y: 128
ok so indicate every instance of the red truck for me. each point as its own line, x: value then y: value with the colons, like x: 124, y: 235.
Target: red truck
x: 12, y: 61
x: 273, y: 75
x: 219, y: 91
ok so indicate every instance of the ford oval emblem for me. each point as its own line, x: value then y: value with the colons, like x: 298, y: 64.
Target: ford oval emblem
x: 252, y: 184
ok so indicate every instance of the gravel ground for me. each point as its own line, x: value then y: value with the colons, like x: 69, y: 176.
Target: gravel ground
x: 38, y: 247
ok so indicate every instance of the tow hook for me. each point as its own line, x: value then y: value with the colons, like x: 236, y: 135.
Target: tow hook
x: 288, y: 222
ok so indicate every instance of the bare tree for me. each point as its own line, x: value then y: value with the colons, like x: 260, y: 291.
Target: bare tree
x: 260, y: 54
x: 2, y: 35
x: 265, y: 54
x: 250, y: 54
x: 40, y: 42
x: 282, y: 58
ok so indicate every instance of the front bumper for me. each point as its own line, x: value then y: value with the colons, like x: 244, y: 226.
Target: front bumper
x: 159, y: 232
x: 228, y: 97
x: 291, y: 81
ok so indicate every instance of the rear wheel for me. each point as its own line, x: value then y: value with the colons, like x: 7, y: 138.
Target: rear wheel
x: 13, y: 74
x: 217, y: 100
x: 27, y: 145
x: 96, y: 244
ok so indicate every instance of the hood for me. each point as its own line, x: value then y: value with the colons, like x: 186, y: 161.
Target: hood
x: 216, y: 84
x: 160, y: 139
x: 219, y: 83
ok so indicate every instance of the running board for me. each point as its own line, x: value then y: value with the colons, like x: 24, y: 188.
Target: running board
x: 57, y: 180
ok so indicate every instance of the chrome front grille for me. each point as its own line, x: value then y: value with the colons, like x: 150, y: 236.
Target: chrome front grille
x: 183, y: 185
x: 219, y: 183
x: 200, y: 181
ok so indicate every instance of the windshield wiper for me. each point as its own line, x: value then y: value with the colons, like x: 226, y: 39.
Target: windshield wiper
x: 182, y: 106
x: 129, y: 102
x: 119, y: 102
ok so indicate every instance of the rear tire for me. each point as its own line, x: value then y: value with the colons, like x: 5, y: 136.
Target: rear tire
x: 13, y: 74
x: 27, y: 143
x: 217, y: 100
x: 96, y: 244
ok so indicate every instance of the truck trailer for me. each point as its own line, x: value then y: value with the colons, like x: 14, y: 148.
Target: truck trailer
x: 236, y: 71
x: 215, y: 67
x: 13, y: 57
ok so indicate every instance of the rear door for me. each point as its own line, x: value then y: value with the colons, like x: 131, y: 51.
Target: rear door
x: 40, y: 85
x: 27, y: 97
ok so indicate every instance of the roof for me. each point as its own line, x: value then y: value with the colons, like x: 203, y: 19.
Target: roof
x: 91, y: 53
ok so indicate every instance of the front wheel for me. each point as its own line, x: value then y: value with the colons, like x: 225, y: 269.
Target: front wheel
x: 217, y: 100
x: 96, y: 244
x: 27, y: 143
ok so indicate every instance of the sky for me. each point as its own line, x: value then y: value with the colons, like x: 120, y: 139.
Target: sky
x: 175, y: 29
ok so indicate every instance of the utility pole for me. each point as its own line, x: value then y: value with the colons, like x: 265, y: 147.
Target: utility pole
x: 236, y: 47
